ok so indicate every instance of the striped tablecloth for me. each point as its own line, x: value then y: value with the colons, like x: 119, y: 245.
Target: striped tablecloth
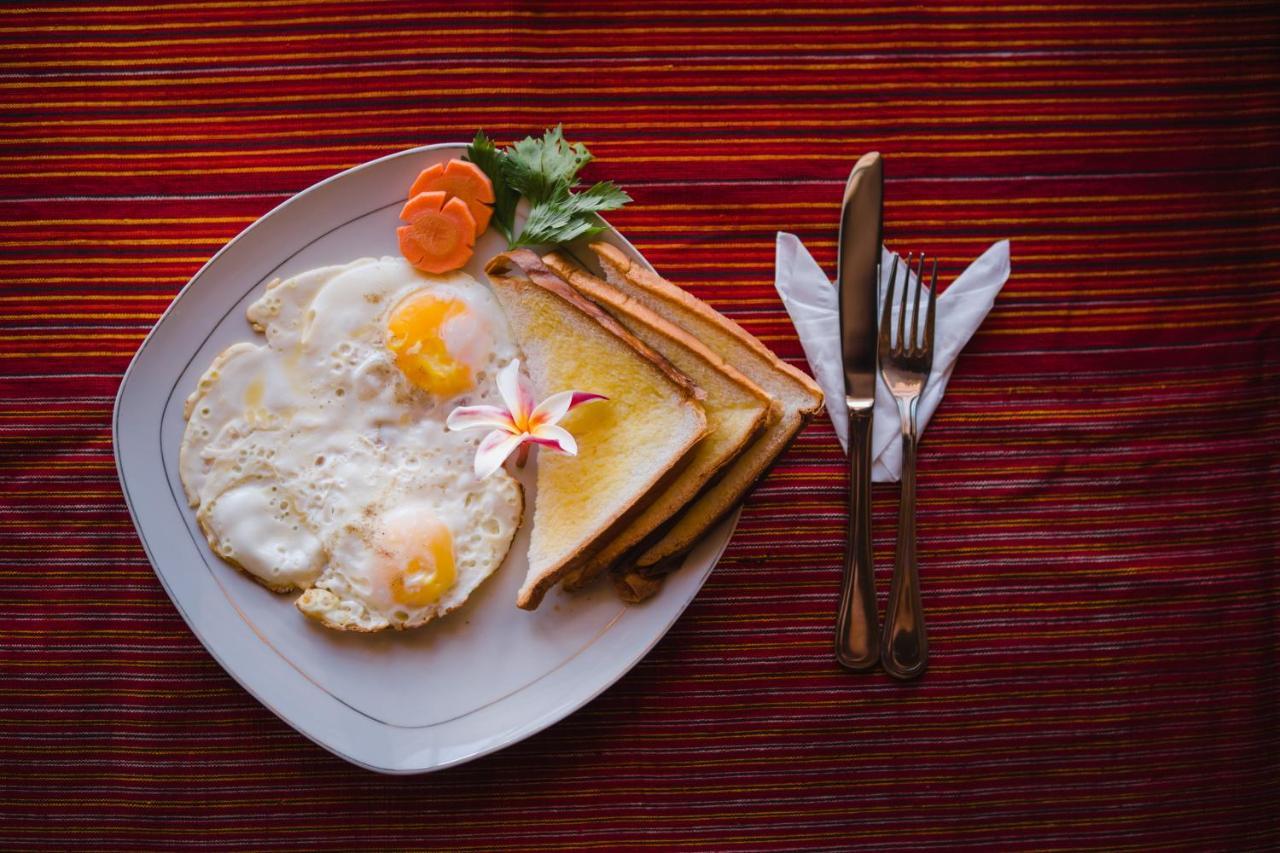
x: 1099, y: 506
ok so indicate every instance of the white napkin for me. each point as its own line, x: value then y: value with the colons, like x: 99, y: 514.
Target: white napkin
x: 814, y: 305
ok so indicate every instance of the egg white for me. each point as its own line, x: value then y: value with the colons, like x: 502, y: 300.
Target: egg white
x: 297, y: 448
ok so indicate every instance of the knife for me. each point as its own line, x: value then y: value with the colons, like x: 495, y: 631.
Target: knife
x: 857, y: 273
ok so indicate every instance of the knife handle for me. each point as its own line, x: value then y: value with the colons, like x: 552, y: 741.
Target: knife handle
x: 857, y: 628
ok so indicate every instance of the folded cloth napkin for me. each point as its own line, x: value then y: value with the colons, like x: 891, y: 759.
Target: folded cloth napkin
x: 814, y: 306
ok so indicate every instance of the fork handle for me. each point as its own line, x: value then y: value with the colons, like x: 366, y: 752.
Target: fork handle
x: 906, y: 644
x: 857, y: 628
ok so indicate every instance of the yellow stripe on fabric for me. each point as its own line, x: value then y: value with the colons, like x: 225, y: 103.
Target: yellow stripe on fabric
x: 60, y: 334
x: 150, y: 220
x: 824, y: 108
x: 102, y: 260
x: 373, y: 54
x: 87, y: 297
x: 1002, y: 201
x: 132, y: 241
x: 147, y: 316
x: 588, y: 53
x: 57, y: 413
x: 650, y: 10
x: 86, y: 354
x: 623, y: 767
x: 693, y: 205
x: 744, y: 88
x: 656, y: 158
x: 615, y: 32
x: 745, y: 124
x: 906, y: 139
x: 936, y: 64
x: 680, y: 10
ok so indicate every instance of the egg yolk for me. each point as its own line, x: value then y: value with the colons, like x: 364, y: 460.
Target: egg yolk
x: 424, y: 568
x: 418, y: 334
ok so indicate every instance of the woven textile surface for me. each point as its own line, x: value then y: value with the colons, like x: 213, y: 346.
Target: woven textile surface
x: 1098, y: 511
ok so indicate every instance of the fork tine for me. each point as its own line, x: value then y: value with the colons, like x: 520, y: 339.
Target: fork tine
x: 916, y: 323
x: 915, y: 308
x: 886, y: 313
x: 902, y: 309
x: 933, y: 304
x: 920, y: 278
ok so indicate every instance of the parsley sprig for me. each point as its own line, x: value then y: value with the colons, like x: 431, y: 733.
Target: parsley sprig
x: 544, y: 171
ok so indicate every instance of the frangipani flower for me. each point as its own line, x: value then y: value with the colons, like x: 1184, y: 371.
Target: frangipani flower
x: 520, y: 422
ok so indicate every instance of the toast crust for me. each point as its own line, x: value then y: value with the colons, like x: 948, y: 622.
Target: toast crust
x: 666, y: 290
x: 577, y: 277
x: 540, y: 274
x: 634, y: 588
x: 536, y: 273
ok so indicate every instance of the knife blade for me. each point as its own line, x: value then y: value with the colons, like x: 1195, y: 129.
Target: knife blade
x: 857, y: 641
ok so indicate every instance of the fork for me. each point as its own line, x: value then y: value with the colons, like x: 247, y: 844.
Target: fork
x: 905, y: 368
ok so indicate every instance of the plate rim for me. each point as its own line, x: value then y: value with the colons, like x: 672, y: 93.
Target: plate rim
x: 514, y: 734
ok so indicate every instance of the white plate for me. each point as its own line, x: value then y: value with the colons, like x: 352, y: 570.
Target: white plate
x: 480, y: 679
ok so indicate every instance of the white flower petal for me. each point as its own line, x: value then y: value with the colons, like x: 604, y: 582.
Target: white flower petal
x: 508, y: 381
x: 526, y: 393
x: 515, y: 391
x: 551, y: 410
x: 476, y: 417
x: 494, y: 449
x: 550, y: 435
x: 555, y: 407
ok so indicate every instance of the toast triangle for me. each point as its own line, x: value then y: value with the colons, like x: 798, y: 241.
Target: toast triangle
x: 737, y: 410
x: 797, y: 394
x: 628, y: 446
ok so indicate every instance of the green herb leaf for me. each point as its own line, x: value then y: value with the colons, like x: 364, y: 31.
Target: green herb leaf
x: 550, y: 226
x: 605, y: 195
x: 545, y: 172
x: 540, y: 169
x: 486, y: 155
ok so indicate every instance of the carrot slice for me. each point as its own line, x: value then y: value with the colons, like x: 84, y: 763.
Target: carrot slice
x: 460, y: 179
x: 441, y: 234
x: 428, y: 176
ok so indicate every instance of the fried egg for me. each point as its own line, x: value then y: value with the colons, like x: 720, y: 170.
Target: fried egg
x: 318, y: 460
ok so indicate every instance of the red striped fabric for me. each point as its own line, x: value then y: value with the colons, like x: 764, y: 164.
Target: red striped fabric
x: 1098, y: 508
